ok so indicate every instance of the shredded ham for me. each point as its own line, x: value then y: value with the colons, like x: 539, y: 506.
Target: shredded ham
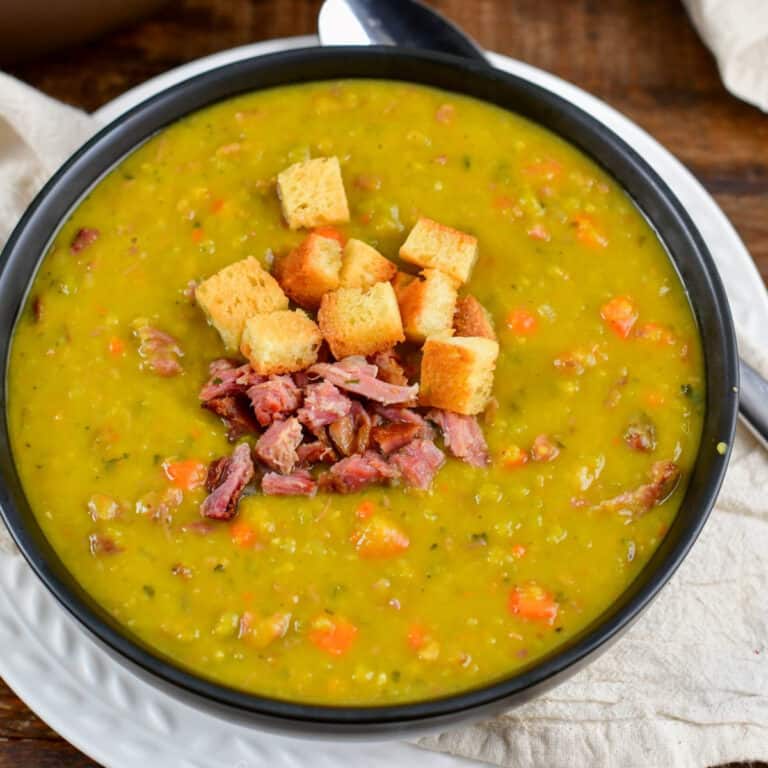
x: 230, y: 477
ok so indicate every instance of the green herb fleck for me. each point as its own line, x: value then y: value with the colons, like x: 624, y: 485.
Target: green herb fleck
x: 149, y: 590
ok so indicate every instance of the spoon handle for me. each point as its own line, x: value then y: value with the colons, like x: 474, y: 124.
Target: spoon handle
x: 753, y: 402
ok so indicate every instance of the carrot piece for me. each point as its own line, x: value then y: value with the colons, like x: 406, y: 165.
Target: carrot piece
x: 331, y: 233
x: 522, y: 322
x: 587, y: 231
x: 333, y: 634
x: 655, y: 399
x: 532, y: 603
x: 539, y: 232
x: 197, y: 235
x: 417, y: 636
x: 116, y: 346
x: 242, y: 534
x: 502, y: 202
x: 217, y: 205
x: 187, y: 475
x: 379, y: 538
x: 620, y: 313
x: 260, y: 632
x: 514, y: 456
x: 365, y: 509
x: 518, y: 551
x: 547, y: 169
x: 655, y: 333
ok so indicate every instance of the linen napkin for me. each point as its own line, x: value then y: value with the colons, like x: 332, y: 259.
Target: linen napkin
x: 737, y: 33
x: 686, y: 687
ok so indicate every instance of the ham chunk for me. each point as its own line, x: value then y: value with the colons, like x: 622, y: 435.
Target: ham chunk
x: 84, y: 237
x: 392, y: 437
x: 234, y: 412
x: 274, y: 399
x: 159, y: 351
x: 418, y: 462
x: 277, y: 446
x: 356, y: 472
x: 231, y: 477
x: 323, y: 404
x: 663, y: 479
x: 400, y: 415
x: 228, y: 378
x: 299, y: 483
x: 390, y: 368
x: 352, y: 433
x: 316, y: 452
x: 462, y: 436
x: 357, y: 378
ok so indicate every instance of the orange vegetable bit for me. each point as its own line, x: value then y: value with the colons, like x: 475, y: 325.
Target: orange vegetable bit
x: 217, y: 205
x: 260, y: 632
x: 243, y: 535
x: 365, y: 509
x: 522, y: 322
x: 514, y: 456
x: 379, y: 538
x: 544, y: 449
x: 544, y: 169
x: 333, y: 634
x: 197, y: 235
x: 655, y: 399
x: 532, y: 603
x: 116, y: 346
x: 502, y: 203
x: 331, y: 233
x: 518, y: 551
x: 656, y: 334
x: 417, y: 636
x: 187, y: 475
x: 538, y: 232
x: 620, y: 313
x: 587, y: 231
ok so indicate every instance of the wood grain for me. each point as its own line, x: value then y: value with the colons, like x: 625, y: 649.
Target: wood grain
x: 644, y: 58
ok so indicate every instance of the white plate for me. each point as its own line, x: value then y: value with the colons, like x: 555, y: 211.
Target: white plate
x: 121, y: 721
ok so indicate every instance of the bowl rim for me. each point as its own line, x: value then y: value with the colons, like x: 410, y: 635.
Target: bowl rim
x: 42, y: 219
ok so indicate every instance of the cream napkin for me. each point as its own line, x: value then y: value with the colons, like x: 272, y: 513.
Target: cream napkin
x: 737, y: 33
x: 686, y: 687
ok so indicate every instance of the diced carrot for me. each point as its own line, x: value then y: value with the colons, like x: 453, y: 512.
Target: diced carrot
x: 197, y: 235
x: 533, y: 603
x: 217, y: 205
x: 331, y: 233
x: 655, y: 399
x: 417, y: 636
x: 656, y: 333
x: 445, y: 113
x: 544, y: 448
x: 522, y: 322
x: 514, y: 456
x: 248, y: 597
x: 187, y: 475
x: 502, y: 202
x: 365, y: 509
x: 587, y: 231
x: 518, y: 551
x: 544, y: 169
x: 242, y: 534
x: 260, y: 632
x: 116, y: 346
x: 379, y: 538
x: 621, y: 314
x: 539, y: 232
x: 333, y: 634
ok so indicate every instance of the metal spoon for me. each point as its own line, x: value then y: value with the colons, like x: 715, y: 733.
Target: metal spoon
x: 410, y: 23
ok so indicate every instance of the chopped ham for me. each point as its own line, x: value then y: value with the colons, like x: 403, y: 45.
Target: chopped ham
x: 664, y: 477
x: 232, y: 477
x: 462, y: 436
x: 323, y: 404
x: 356, y: 472
x: 274, y: 399
x: 400, y: 415
x: 356, y: 377
x: 228, y: 378
x: 392, y: 437
x: 234, y: 412
x: 84, y: 237
x: 99, y: 544
x: 418, y: 462
x: 352, y: 433
x: 390, y: 367
x: 300, y: 483
x: 316, y: 452
x: 277, y: 446
x: 159, y: 351
x: 641, y: 436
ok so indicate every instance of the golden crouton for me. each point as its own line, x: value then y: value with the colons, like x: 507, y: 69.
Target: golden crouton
x: 427, y: 305
x: 457, y: 373
x: 430, y: 244
x: 401, y: 281
x: 312, y: 193
x: 310, y: 270
x: 235, y: 293
x: 362, y: 266
x: 281, y: 342
x: 473, y: 319
x: 356, y: 322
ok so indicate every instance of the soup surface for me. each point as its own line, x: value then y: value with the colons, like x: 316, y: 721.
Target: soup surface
x: 599, y: 352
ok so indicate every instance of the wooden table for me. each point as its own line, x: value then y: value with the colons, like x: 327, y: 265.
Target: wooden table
x: 643, y: 58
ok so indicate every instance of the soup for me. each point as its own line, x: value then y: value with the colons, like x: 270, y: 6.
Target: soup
x: 591, y: 431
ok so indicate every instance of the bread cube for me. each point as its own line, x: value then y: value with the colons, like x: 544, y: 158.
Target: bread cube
x: 310, y: 270
x: 363, y: 266
x: 281, y: 342
x: 312, y: 193
x: 430, y: 244
x: 472, y: 319
x: 234, y: 294
x: 457, y: 373
x: 401, y: 281
x: 357, y: 322
x: 427, y: 305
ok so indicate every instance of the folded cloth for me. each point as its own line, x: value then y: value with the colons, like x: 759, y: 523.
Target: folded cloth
x: 737, y: 33
x: 686, y: 686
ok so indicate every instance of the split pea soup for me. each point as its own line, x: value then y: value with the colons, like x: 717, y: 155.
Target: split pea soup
x: 592, y: 432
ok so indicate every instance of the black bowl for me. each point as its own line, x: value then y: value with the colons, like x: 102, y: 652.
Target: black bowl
x: 39, y: 224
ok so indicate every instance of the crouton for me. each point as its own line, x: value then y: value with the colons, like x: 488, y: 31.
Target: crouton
x: 310, y: 270
x: 234, y: 294
x: 430, y: 244
x: 473, y: 319
x: 427, y: 305
x: 356, y: 322
x: 312, y: 193
x: 457, y: 373
x: 281, y: 342
x: 362, y: 266
x: 401, y: 281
